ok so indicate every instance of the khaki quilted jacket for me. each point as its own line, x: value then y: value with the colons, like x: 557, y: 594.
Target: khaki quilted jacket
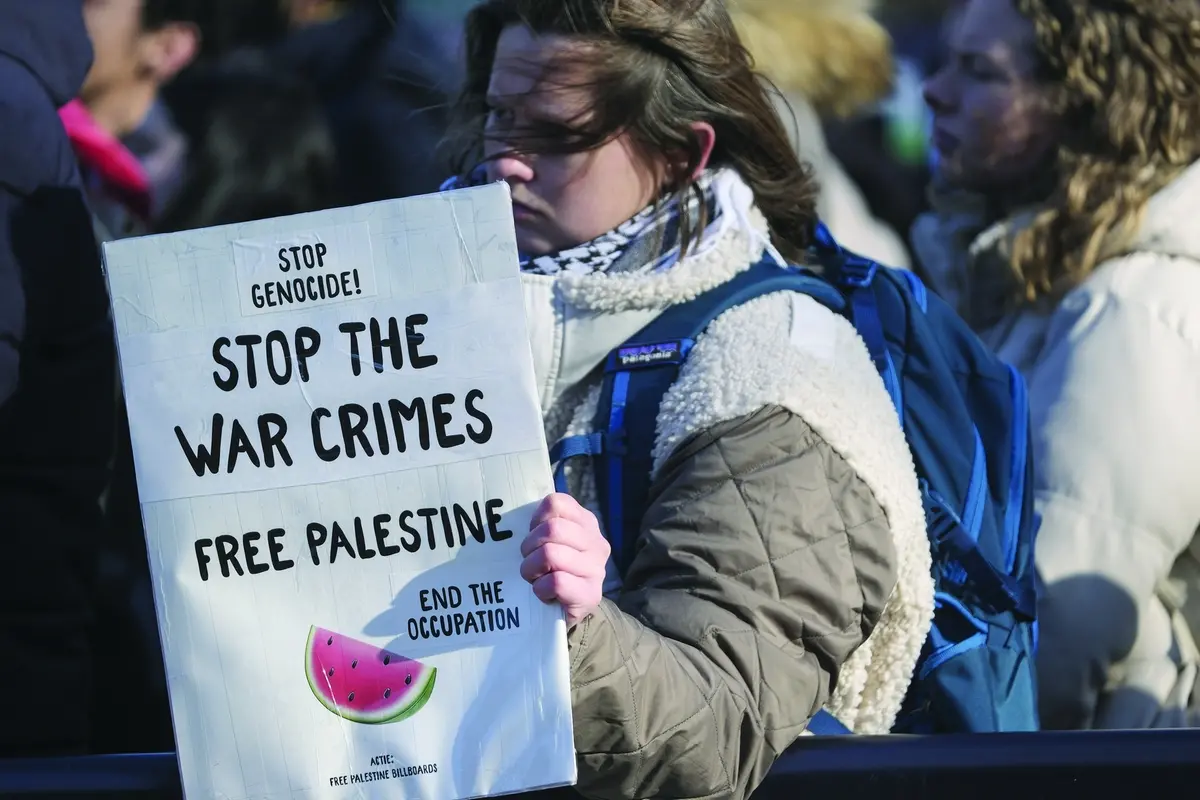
x: 782, y: 564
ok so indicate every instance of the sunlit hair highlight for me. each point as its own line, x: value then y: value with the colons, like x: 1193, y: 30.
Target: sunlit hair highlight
x: 1124, y: 76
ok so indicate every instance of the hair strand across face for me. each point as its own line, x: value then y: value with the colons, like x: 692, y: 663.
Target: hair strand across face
x: 653, y: 68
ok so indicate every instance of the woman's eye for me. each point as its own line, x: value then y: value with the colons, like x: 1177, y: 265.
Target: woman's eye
x: 499, y: 116
x: 977, y: 68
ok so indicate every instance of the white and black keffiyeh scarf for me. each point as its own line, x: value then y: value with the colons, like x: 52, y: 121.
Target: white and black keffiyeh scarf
x: 647, y: 242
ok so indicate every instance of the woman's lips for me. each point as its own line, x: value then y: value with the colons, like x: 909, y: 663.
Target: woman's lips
x: 944, y: 142
x: 522, y: 212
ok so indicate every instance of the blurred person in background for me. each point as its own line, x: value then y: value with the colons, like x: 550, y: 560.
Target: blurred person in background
x: 1065, y: 230
x: 265, y: 149
x: 917, y: 30
x: 385, y: 84
x: 884, y: 147
x: 132, y: 154
x: 57, y: 376
x: 829, y: 59
x: 132, y: 157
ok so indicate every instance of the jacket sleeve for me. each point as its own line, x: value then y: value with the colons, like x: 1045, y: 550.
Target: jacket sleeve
x: 12, y: 297
x: 1116, y: 443
x: 763, y: 563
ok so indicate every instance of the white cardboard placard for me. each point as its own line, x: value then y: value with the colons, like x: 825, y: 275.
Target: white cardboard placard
x: 357, y: 467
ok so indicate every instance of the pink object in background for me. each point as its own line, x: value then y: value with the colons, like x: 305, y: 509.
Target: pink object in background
x: 119, y: 171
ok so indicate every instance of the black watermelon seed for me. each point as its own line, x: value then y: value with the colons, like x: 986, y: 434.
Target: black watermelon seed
x: 330, y: 640
x: 350, y: 699
x: 387, y: 660
x: 330, y: 672
x: 408, y: 679
x: 354, y: 663
x: 387, y: 692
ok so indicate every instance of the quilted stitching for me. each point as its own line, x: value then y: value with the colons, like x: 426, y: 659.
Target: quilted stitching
x: 749, y: 599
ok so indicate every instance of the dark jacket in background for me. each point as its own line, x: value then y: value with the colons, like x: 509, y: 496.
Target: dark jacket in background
x: 57, y: 373
x: 383, y: 81
x: 385, y: 84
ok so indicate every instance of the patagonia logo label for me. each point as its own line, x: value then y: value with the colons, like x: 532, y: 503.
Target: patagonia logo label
x: 648, y: 355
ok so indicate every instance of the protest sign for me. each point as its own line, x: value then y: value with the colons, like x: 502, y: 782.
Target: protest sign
x: 338, y: 448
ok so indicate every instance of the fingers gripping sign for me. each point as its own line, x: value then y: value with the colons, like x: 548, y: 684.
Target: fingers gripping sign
x: 565, y: 556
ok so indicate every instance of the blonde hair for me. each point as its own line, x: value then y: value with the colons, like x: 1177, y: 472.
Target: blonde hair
x: 1125, y: 78
x: 832, y: 52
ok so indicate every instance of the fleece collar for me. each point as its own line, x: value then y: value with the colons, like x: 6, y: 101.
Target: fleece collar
x: 576, y: 319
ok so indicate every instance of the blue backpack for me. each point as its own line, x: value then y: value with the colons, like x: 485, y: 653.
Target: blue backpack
x: 966, y: 418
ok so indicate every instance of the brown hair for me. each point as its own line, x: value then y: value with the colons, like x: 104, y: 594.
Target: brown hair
x: 652, y: 67
x: 1125, y: 78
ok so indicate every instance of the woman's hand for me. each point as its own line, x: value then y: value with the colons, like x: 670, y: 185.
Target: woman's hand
x: 565, y: 556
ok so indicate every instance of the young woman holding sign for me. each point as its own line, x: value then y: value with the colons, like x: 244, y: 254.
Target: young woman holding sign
x: 783, y: 527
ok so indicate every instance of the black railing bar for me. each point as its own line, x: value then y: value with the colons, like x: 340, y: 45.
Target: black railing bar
x: 1055, y: 750
x: 812, y: 756
x: 109, y: 774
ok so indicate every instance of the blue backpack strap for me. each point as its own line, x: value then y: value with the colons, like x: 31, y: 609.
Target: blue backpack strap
x: 825, y: 724
x: 591, y: 444
x: 638, y: 374
x: 855, y: 275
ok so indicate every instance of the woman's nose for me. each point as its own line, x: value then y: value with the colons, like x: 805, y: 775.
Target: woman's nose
x: 510, y: 168
x: 935, y: 92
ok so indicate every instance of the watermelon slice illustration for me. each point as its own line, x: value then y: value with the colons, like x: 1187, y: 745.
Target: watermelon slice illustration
x: 364, y: 683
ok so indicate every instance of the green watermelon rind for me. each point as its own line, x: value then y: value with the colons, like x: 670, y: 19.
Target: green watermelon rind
x: 402, y: 713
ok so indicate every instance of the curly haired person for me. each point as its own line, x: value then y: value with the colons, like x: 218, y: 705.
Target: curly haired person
x: 1068, y: 133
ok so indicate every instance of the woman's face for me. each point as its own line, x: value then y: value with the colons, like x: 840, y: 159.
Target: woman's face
x: 993, y: 128
x: 559, y: 201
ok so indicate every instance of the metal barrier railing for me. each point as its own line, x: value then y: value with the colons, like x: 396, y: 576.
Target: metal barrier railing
x: 1136, y: 765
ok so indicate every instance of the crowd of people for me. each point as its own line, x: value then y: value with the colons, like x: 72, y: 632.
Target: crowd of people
x: 1034, y: 163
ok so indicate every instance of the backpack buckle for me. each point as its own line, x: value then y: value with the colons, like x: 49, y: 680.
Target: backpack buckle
x: 857, y: 273
x: 941, y: 521
x: 942, y: 524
